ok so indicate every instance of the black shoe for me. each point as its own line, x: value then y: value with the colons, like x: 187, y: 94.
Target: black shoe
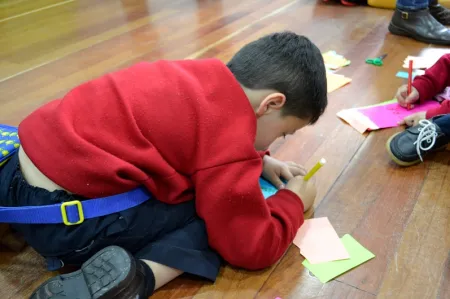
x: 410, y: 146
x: 440, y: 13
x: 420, y: 25
x: 110, y: 273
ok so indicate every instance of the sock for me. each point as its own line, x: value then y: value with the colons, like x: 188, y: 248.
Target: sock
x: 150, y: 283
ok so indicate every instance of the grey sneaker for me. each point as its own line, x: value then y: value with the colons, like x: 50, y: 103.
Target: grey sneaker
x: 410, y: 146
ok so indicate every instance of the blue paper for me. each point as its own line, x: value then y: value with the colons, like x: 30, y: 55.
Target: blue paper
x: 267, y: 188
x: 404, y: 75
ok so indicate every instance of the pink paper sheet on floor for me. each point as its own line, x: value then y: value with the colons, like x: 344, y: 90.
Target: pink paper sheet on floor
x: 319, y: 242
x: 388, y: 116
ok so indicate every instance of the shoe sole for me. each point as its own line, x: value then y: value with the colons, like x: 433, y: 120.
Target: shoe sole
x: 104, y: 276
x: 404, y: 163
x: 394, y: 158
x: 399, y: 31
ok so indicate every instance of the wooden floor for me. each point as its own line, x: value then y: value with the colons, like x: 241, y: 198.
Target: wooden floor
x: 401, y: 215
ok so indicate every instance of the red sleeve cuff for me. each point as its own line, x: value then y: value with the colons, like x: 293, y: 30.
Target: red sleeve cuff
x: 432, y: 113
x: 288, y: 193
x: 424, y: 90
x: 444, y: 108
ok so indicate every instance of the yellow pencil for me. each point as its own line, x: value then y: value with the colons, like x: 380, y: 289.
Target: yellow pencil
x: 314, y: 169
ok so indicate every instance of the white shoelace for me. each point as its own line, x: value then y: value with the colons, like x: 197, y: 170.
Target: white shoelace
x: 426, y: 133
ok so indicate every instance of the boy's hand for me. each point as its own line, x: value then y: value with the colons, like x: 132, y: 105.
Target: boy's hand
x: 274, y: 170
x: 413, y: 119
x: 305, y: 190
x: 404, y: 99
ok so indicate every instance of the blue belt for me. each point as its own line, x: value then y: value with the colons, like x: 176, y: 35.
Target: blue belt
x: 75, y: 211
x: 70, y: 212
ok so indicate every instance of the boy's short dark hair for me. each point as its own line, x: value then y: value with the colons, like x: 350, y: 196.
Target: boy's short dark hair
x: 290, y: 64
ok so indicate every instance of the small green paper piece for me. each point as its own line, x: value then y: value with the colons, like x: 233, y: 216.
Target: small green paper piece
x: 327, y: 271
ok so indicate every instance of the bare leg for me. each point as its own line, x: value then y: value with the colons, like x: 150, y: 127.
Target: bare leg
x: 163, y: 274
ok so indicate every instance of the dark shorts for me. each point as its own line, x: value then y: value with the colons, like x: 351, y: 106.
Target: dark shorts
x: 171, y: 235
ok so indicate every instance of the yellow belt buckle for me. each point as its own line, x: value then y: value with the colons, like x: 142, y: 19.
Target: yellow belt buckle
x: 64, y: 212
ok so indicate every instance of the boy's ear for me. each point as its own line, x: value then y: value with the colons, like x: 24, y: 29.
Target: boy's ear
x: 273, y: 102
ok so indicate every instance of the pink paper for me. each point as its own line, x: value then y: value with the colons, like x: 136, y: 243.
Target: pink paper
x: 388, y: 116
x: 319, y: 242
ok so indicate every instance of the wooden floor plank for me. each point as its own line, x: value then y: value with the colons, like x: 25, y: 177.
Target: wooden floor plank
x: 79, y: 27
x: 10, y: 9
x: 421, y: 259
x: 106, y: 56
x: 444, y: 288
x: 21, y: 273
x: 293, y: 283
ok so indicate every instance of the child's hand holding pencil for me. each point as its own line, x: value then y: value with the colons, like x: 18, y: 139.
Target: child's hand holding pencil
x: 304, y: 188
x: 407, y: 94
x: 404, y: 99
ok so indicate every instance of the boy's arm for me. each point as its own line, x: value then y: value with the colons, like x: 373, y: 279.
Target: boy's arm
x: 247, y: 230
x: 443, y: 109
x: 435, y: 79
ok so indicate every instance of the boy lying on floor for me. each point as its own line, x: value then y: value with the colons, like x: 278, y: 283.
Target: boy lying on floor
x: 189, y: 131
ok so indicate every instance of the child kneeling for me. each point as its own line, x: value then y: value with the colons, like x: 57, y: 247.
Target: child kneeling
x: 194, y: 134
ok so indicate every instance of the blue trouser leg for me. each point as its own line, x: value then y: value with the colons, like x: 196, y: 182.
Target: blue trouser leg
x: 412, y: 4
x: 444, y: 124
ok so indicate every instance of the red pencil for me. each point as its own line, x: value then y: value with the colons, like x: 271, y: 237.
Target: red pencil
x: 410, y: 70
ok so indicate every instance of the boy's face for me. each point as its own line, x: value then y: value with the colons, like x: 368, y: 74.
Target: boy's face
x: 271, y: 124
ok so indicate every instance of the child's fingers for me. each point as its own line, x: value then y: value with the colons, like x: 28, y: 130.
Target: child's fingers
x: 297, y: 170
x: 293, y: 166
x: 413, y: 97
x: 410, y: 99
x: 276, y: 181
x: 409, y: 122
x: 286, y: 173
x: 401, y: 99
x: 291, y: 163
x: 402, y: 122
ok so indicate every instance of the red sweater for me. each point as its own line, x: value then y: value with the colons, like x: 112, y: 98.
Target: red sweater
x: 435, y: 80
x: 182, y: 129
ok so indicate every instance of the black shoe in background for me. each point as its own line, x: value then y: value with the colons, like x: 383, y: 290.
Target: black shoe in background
x: 419, y: 25
x: 440, y: 13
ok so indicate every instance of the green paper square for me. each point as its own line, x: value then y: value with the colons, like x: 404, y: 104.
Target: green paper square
x: 327, y: 271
